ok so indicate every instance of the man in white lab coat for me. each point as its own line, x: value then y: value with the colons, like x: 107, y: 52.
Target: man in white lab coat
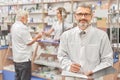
x: 84, y: 49
x: 22, y: 46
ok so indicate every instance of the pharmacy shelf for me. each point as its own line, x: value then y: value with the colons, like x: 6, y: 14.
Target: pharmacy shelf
x: 49, y: 54
x: 3, y: 47
x: 19, y: 4
x: 47, y: 63
x: 115, y: 45
x: 49, y: 75
x: 57, y: 2
x: 35, y: 23
x: 6, y: 22
x: 32, y: 13
x: 49, y: 41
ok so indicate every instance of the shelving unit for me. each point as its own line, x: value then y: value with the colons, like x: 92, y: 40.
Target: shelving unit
x: 35, y: 10
x: 114, y: 32
x: 47, y: 60
x: 114, y: 26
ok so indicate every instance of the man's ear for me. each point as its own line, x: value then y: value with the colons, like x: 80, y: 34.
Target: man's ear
x: 22, y: 19
x: 75, y: 16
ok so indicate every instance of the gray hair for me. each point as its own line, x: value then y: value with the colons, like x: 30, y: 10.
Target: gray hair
x: 21, y: 13
x: 89, y: 6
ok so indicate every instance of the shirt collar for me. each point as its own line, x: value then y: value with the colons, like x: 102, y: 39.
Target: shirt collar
x: 23, y: 25
x: 19, y: 22
x: 78, y: 30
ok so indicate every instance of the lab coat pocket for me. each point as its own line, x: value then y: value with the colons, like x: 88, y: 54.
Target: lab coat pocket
x: 92, y: 52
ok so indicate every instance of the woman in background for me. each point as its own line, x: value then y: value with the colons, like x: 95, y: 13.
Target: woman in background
x: 60, y: 25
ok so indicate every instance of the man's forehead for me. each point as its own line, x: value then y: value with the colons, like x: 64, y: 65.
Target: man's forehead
x: 81, y: 9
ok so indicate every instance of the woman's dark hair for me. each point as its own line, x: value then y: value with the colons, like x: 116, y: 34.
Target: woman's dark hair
x: 62, y: 11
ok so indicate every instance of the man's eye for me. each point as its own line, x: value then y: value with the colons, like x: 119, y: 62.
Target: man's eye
x: 84, y: 14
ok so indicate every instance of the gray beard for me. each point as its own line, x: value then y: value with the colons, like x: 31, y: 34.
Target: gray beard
x: 84, y: 25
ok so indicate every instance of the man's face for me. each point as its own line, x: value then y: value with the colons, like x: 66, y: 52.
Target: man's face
x: 83, y: 17
x: 25, y: 19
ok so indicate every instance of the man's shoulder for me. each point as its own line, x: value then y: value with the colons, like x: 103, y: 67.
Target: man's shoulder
x: 19, y: 25
x: 70, y: 31
x: 100, y: 31
x: 16, y: 24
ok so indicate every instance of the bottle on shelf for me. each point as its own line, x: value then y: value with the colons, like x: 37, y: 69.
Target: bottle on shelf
x: 2, y: 41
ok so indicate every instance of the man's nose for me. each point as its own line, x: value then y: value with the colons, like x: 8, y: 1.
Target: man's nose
x: 83, y: 16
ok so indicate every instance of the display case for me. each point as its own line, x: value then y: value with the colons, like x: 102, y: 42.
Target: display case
x: 46, y: 60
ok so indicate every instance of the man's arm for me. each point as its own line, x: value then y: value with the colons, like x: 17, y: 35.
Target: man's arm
x: 39, y: 35
x: 27, y: 38
x: 48, y: 33
x: 63, y: 55
x: 106, y: 55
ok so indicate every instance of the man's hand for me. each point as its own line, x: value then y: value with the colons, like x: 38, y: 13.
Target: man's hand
x: 89, y: 78
x: 75, y: 67
x: 39, y: 35
x: 89, y: 74
x: 43, y: 32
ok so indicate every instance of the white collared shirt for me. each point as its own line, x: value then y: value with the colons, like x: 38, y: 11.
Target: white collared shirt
x: 20, y: 37
x: 92, y: 51
x: 58, y: 27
